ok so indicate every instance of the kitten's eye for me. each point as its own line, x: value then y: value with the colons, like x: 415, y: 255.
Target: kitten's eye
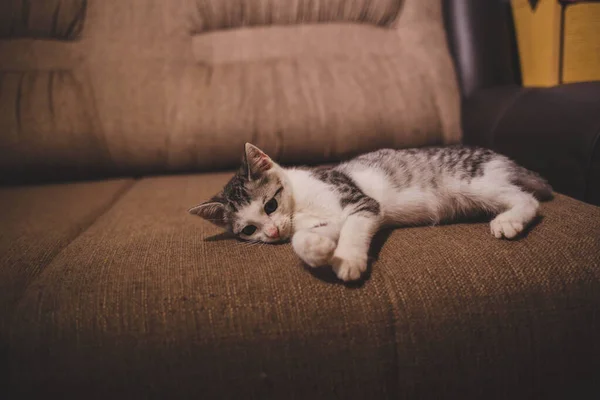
x: 271, y: 206
x: 249, y: 230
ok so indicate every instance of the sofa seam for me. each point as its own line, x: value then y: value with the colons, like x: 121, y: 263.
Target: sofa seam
x: 109, y: 206
x: 103, y: 210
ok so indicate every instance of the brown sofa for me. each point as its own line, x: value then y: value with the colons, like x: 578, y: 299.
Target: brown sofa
x: 108, y: 289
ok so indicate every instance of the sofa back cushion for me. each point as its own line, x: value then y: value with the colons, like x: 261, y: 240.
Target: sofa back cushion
x: 104, y: 87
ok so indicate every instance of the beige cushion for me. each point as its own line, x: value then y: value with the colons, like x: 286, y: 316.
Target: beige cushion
x: 49, y: 129
x: 154, y: 86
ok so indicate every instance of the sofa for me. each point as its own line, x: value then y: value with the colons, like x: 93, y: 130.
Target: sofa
x: 117, y: 116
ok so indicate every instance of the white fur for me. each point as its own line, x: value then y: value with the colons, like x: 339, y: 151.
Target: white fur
x: 316, y: 203
x: 322, y: 232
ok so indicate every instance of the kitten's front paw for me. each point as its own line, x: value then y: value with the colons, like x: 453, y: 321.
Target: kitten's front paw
x: 313, y: 249
x: 502, y: 226
x: 349, y: 269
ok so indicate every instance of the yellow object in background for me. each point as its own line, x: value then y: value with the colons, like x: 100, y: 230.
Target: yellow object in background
x: 538, y: 39
x: 581, y: 46
x: 557, y: 43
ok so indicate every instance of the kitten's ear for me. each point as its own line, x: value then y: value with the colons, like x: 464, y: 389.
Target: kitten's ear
x: 257, y: 162
x: 213, y: 211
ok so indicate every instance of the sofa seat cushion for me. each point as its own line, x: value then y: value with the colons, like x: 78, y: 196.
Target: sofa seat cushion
x: 36, y: 224
x: 150, y: 302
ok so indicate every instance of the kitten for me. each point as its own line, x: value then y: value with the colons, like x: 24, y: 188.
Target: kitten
x: 332, y: 213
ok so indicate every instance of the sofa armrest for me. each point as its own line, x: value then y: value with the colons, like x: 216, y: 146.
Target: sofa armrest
x: 482, y: 42
x: 554, y: 131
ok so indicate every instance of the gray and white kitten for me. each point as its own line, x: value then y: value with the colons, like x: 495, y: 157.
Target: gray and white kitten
x: 332, y: 213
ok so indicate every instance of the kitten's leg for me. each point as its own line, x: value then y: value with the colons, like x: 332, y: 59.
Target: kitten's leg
x: 350, y: 257
x: 315, y: 246
x: 521, y: 210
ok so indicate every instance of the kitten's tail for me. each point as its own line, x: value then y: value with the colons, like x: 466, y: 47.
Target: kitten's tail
x: 533, y: 183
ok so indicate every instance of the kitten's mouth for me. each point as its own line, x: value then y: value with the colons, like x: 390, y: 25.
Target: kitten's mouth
x: 284, y: 233
x: 282, y: 238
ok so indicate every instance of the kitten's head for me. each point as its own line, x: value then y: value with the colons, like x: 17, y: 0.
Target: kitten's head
x: 256, y: 204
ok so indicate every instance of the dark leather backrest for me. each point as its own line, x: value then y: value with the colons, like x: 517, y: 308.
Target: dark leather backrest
x: 482, y: 42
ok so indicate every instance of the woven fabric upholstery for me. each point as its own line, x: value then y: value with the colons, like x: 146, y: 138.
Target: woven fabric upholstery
x: 151, y: 302
x: 36, y: 223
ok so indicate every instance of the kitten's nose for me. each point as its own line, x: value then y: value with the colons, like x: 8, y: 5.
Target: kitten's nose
x: 272, y: 232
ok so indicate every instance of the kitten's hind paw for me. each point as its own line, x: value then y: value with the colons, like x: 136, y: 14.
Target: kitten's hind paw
x: 349, y: 269
x: 313, y: 249
x: 505, y: 227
